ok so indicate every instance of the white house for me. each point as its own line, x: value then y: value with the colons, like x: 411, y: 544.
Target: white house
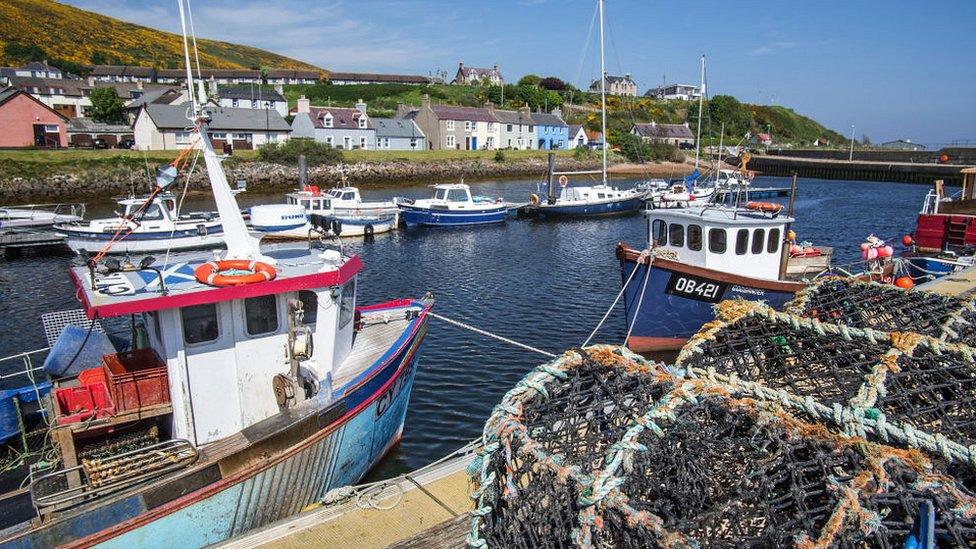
x: 398, y: 134
x: 164, y: 127
x: 577, y: 136
x: 252, y: 96
x: 684, y: 92
x: 343, y: 128
x: 34, y: 69
x: 289, y: 76
x: 474, y: 76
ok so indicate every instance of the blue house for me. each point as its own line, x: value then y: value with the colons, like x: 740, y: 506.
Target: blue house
x: 551, y: 131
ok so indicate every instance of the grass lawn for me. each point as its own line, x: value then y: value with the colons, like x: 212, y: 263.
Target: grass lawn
x: 436, y: 156
x: 69, y: 156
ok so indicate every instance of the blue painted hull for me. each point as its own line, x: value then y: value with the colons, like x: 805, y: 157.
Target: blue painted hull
x: 667, y: 318
x: 414, y: 216
x: 355, y: 432
x: 923, y: 269
x: 620, y: 207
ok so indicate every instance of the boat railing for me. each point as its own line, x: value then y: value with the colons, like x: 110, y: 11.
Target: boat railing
x: 28, y: 365
x: 56, y: 208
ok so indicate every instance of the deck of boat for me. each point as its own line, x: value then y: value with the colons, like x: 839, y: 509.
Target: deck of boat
x: 370, y: 344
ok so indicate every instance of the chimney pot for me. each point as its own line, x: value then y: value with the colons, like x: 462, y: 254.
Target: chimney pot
x: 303, y: 105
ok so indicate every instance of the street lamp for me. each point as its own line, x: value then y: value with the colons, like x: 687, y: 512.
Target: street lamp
x: 850, y: 158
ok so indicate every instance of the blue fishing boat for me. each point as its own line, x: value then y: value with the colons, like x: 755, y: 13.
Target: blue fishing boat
x: 253, y: 386
x: 452, y: 206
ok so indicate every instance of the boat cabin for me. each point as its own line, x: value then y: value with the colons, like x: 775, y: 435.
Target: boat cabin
x: 595, y: 193
x: 345, y: 196
x: 730, y: 240
x: 312, y: 200
x: 224, y: 348
x: 163, y: 208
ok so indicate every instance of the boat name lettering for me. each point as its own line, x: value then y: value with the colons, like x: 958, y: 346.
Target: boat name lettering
x: 745, y: 290
x: 386, y: 399
x: 114, y: 284
x: 695, y: 287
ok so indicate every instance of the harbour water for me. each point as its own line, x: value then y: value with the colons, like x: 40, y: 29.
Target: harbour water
x: 545, y: 284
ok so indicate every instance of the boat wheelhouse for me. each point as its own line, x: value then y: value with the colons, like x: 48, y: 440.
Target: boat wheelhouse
x: 160, y: 227
x: 291, y: 220
x: 944, y: 240
x: 452, y: 206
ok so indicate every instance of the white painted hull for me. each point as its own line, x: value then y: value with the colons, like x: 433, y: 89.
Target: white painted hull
x: 348, y: 229
x: 77, y: 243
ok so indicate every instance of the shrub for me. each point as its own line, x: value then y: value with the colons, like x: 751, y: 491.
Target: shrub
x: 288, y: 152
x: 636, y: 149
x: 499, y: 156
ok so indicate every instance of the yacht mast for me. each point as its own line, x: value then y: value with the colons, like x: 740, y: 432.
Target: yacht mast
x: 701, y: 99
x: 603, y: 97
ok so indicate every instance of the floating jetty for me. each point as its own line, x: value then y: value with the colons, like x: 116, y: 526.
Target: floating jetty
x: 859, y: 170
x: 20, y: 240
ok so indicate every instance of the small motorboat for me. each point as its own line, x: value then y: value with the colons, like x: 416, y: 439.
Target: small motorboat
x: 452, y: 206
x: 347, y: 202
x: 292, y: 221
x: 39, y: 216
x: 944, y: 240
x: 138, y: 228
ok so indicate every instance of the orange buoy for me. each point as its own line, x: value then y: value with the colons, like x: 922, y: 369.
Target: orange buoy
x: 907, y: 241
x: 944, y: 158
x: 768, y: 207
x: 905, y: 282
x: 216, y: 273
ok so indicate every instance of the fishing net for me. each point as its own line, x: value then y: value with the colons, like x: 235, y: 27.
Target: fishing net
x: 887, y: 308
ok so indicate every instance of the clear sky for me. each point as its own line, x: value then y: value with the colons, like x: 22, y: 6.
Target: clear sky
x: 892, y: 68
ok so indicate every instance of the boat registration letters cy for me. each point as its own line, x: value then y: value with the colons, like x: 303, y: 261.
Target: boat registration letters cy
x: 695, y: 287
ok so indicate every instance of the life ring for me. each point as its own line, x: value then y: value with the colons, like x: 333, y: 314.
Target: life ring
x: 533, y: 199
x: 212, y: 273
x: 768, y: 207
x: 563, y: 181
x: 368, y: 230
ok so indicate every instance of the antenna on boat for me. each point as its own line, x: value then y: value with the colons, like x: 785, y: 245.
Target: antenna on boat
x: 701, y: 97
x: 603, y: 97
x: 240, y: 244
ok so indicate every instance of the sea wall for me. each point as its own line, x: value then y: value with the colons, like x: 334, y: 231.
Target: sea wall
x: 95, y: 181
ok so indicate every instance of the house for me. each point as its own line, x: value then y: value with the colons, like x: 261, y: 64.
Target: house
x: 278, y: 77
x: 164, y: 127
x: 70, y: 97
x: 345, y: 78
x: 764, y: 139
x: 902, y: 145
x: 474, y: 76
x: 123, y: 73
x: 253, y: 96
x: 551, y: 131
x: 516, y: 129
x: 455, y: 128
x: 398, y: 134
x: 34, y: 69
x: 673, y: 134
x: 82, y: 132
x: 577, y: 137
x: 683, y: 92
x: 27, y: 122
x: 617, y: 85
x: 220, y: 76
x: 594, y: 139
x: 343, y: 128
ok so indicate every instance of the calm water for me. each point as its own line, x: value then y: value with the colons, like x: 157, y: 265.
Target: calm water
x: 545, y: 284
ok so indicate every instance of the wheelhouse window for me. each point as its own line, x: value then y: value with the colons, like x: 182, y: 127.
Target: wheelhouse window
x: 717, y: 243
x: 457, y: 195
x: 659, y: 231
x: 200, y: 323
x: 741, y: 241
x: 261, y: 315
x: 310, y: 305
x: 772, y: 244
x: 694, y: 238
x: 676, y: 235
x: 758, y: 240
x: 347, y: 303
x: 153, y: 213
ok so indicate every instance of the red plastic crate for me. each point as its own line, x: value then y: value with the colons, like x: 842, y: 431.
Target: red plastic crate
x: 84, y: 401
x: 92, y: 375
x: 136, y: 379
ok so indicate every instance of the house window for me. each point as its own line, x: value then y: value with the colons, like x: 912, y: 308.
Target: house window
x: 451, y: 142
x: 219, y: 135
x: 741, y: 241
x: 327, y: 120
x: 362, y: 123
x: 271, y: 137
x: 347, y: 303
x: 694, y: 238
x: 468, y: 125
x: 509, y: 128
x: 490, y: 143
x: 235, y: 103
x: 413, y: 143
x: 242, y: 137
x: 772, y: 245
x: 310, y: 306
x: 531, y: 128
x: 261, y: 315
x: 182, y: 138
x: 362, y: 142
x: 450, y: 125
x: 717, y: 241
x: 51, y: 128
x: 329, y: 140
x: 659, y: 231
x: 200, y: 323
x: 491, y: 126
x: 676, y: 235
x: 758, y: 240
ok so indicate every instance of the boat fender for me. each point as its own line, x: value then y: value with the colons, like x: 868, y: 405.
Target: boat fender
x: 368, y: 230
x: 201, y: 230
x: 336, y: 227
x: 215, y: 273
x: 563, y: 181
x: 533, y: 199
x: 907, y: 241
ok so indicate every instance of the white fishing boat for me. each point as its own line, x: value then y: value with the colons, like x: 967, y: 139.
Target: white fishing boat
x: 346, y: 201
x: 143, y: 227
x: 39, y: 216
x: 294, y: 220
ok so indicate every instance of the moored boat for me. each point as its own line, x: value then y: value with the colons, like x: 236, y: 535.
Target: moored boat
x: 944, y: 240
x: 39, y: 216
x: 452, y: 206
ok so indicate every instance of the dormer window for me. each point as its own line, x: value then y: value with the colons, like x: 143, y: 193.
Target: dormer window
x: 362, y: 122
x: 327, y: 120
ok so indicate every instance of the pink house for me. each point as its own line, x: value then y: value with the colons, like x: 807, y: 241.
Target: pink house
x: 26, y: 122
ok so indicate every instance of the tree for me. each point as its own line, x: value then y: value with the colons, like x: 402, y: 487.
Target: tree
x: 106, y: 105
x: 23, y: 53
x: 530, y: 80
x: 553, y: 83
x: 727, y: 109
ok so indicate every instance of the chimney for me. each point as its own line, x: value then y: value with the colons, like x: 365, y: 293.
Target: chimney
x: 361, y: 106
x: 525, y: 110
x: 558, y: 112
x: 401, y: 110
x: 425, y: 100
x: 653, y: 124
x: 303, y: 105
x: 495, y: 67
x: 627, y: 75
x: 490, y: 107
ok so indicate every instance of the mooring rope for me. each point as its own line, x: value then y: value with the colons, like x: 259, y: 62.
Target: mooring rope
x: 486, y: 333
x: 644, y: 253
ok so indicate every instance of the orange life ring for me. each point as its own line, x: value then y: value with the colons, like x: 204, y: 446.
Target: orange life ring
x: 563, y: 181
x: 211, y: 273
x: 768, y: 207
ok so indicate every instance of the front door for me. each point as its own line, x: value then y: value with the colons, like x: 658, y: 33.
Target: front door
x: 474, y: 143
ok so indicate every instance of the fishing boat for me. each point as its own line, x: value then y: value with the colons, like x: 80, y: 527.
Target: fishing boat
x: 254, y: 386
x: 452, y: 206
x: 346, y: 201
x: 944, y: 240
x: 292, y: 220
x: 151, y: 224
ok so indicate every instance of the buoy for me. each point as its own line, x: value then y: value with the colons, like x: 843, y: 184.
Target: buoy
x: 791, y: 235
x: 872, y: 254
x: 234, y: 272
x: 905, y: 282
x: 533, y: 199
x: 907, y: 241
x: 885, y: 251
x: 795, y: 249
x: 944, y: 158
x: 865, y: 246
x: 563, y: 180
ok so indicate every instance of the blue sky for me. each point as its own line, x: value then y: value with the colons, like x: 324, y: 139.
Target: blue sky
x: 893, y: 68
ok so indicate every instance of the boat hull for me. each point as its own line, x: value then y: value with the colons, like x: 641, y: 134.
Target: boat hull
x: 597, y: 209
x: 263, y: 483
x: 349, y: 228
x: 414, y: 216
x: 675, y: 300
x: 144, y: 242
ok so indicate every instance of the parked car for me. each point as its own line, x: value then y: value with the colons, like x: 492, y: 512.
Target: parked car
x: 99, y: 143
x: 686, y: 146
x: 126, y: 143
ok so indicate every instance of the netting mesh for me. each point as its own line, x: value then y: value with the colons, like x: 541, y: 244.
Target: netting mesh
x: 887, y: 308
x: 771, y: 430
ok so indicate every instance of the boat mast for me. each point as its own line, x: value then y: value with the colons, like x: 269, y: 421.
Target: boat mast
x: 603, y: 97
x: 701, y: 99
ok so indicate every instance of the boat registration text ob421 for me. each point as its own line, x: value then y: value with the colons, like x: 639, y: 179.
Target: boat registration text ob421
x: 695, y: 287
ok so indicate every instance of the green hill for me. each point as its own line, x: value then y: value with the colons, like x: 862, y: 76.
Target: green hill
x: 69, y: 37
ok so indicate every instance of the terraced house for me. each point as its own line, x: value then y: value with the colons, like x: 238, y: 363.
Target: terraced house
x: 551, y: 131
x: 516, y: 128
x: 343, y: 128
x: 449, y: 127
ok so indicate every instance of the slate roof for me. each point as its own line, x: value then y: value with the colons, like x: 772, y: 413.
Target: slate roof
x: 6, y: 94
x: 210, y: 73
x: 479, y: 72
x: 342, y: 118
x: 375, y: 77
x: 247, y: 91
x: 396, y: 127
x: 158, y: 96
x: 574, y: 129
x: 451, y: 112
x: 65, y: 85
x: 173, y: 117
x: 663, y: 131
x: 547, y: 119
x: 514, y: 117
x: 289, y: 73
x: 123, y: 70
x: 611, y: 79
